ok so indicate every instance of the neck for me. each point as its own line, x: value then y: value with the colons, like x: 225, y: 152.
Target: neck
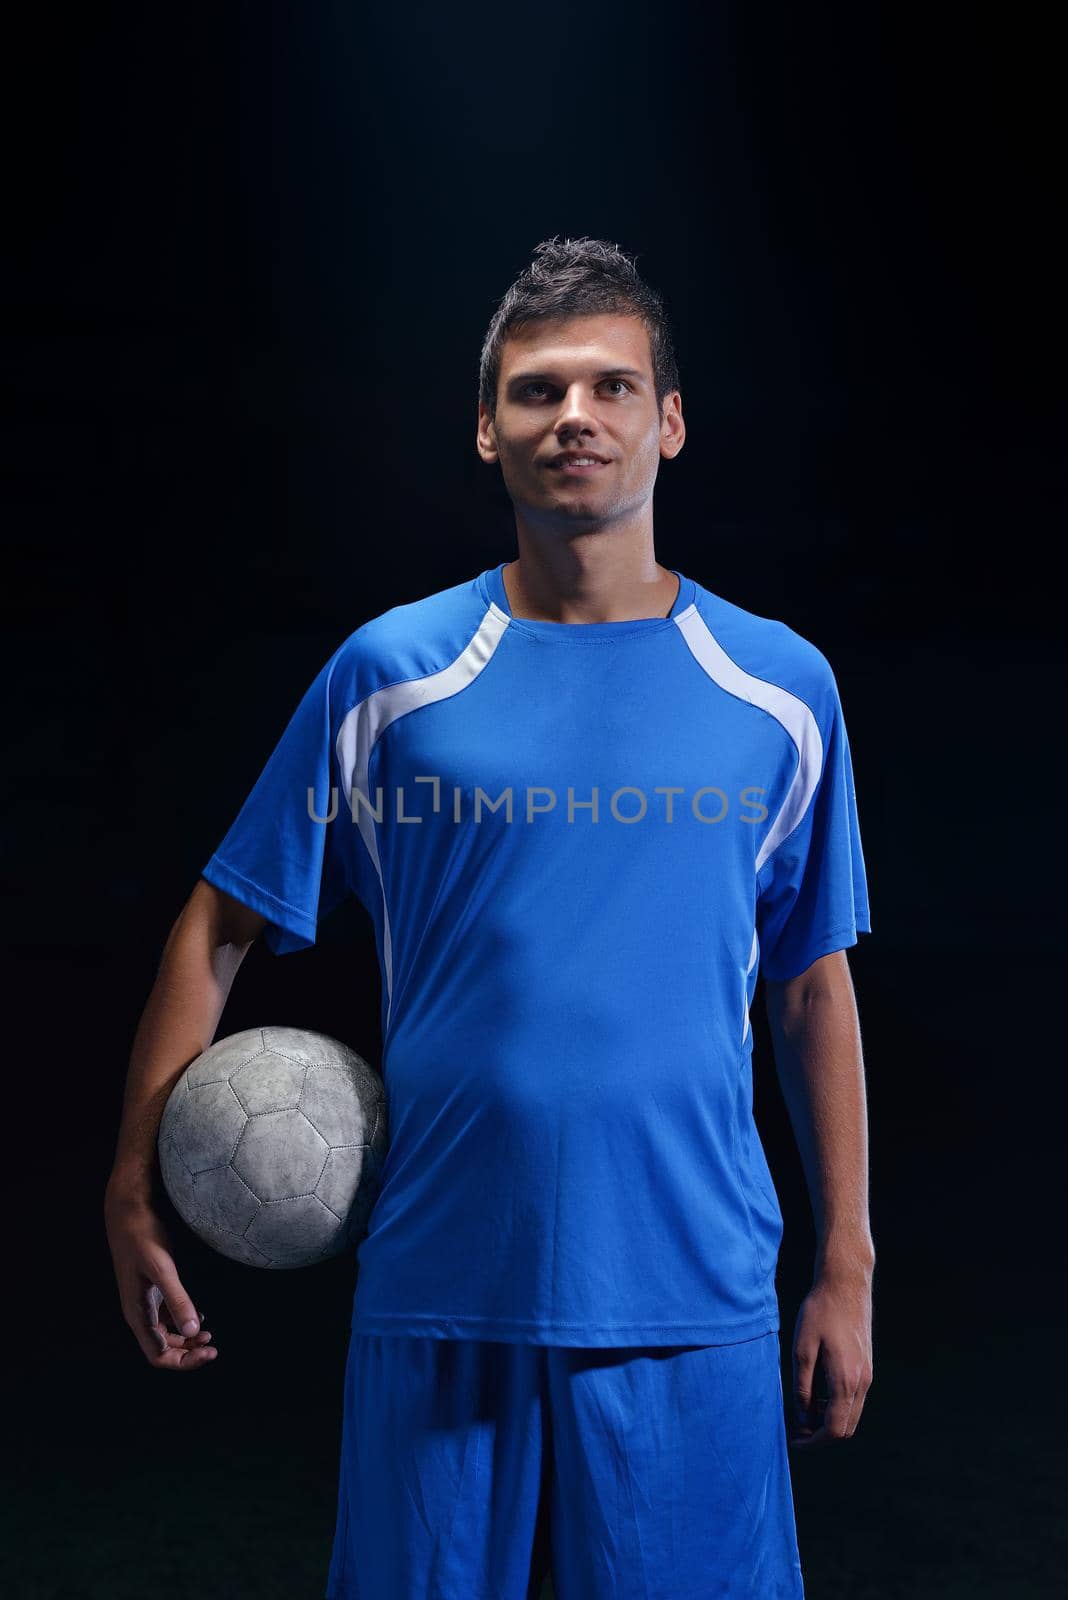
x: 601, y: 583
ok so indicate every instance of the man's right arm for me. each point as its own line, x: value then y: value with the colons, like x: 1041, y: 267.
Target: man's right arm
x: 201, y: 957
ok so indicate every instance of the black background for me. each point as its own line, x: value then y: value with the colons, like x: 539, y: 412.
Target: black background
x: 256, y: 248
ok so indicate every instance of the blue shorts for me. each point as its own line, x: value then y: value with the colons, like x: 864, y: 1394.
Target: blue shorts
x: 471, y: 1468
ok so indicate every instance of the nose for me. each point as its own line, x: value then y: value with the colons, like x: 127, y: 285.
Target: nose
x: 576, y: 415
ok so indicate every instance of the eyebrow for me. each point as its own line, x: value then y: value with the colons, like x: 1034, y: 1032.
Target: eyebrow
x: 546, y: 377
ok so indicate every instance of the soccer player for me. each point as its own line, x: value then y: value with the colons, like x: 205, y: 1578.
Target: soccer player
x: 585, y: 801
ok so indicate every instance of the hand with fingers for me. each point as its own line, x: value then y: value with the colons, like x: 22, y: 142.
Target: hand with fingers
x: 157, y: 1309
x: 833, y: 1331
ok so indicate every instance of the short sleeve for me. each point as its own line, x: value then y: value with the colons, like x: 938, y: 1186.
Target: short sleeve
x: 284, y: 854
x: 812, y: 892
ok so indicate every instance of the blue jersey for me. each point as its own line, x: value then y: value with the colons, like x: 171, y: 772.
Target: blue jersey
x: 578, y: 843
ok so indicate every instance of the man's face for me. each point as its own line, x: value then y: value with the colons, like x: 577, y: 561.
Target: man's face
x: 583, y: 385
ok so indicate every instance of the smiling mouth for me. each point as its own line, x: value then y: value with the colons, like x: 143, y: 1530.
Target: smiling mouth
x: 577, y: 468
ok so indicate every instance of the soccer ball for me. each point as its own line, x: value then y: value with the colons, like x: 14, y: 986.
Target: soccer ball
x: 271, y: 1146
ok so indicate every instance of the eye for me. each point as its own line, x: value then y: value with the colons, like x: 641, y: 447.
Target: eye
x: 538, y: 384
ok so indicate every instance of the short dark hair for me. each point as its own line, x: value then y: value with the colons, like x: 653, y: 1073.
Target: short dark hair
x: 579, y: 278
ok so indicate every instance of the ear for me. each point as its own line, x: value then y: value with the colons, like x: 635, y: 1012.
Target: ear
x: 485, y: 435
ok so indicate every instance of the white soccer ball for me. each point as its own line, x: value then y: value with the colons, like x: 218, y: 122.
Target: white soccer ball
x: 272, y: 1144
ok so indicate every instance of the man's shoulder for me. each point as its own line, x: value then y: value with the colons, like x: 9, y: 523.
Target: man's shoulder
x: 765, y: 647
x: 412, y: 639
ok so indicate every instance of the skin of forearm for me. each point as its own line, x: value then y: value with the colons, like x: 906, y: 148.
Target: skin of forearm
x: 819, y: 1061
x: 181, y: 1015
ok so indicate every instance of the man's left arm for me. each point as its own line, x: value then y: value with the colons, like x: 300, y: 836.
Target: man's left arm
x: 816, y: 1037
